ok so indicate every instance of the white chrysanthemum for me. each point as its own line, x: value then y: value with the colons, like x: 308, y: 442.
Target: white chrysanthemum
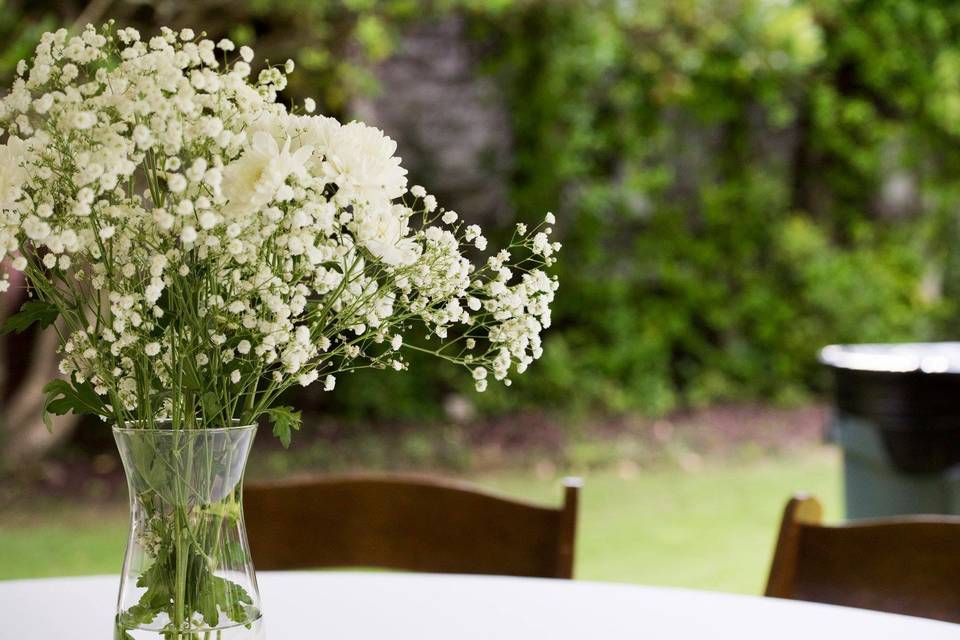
x: 360, y: 160
x: 383, y: 231
x: 318, y: 132
x: 252, y: 182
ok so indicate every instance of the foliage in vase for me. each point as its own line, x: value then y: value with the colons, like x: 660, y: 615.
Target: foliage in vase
x: 200, y: 248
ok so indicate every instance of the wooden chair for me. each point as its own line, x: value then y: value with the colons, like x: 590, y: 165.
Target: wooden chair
x: 410, y: 523
x: 908, y: 565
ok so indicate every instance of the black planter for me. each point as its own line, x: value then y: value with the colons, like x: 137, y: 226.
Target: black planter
x: 897, y: 418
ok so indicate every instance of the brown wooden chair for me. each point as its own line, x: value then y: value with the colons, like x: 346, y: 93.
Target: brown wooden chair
x: 410, y: 523
x: 908, y: 565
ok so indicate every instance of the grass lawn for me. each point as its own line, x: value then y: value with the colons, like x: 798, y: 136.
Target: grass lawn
x: 713, y: 528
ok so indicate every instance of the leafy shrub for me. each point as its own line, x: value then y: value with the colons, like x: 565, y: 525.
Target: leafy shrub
x: 723, y: 169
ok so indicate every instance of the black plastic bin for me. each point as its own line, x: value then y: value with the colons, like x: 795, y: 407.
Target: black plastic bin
x: 897, y: 418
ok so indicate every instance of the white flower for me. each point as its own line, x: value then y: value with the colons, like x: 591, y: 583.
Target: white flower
x: 292, y: 236
x: 36, y: 229
x: 43, y: 103
x: 84, y: 120
x: 208, y: 220
x: 309, y: 105
x: 383, y: 231
x: 252, y: 181
x: 317, y: 132
x: 176, y: 182
x: 12, y: 174
x: 213, y: 178
x: 360, y: 160
x: 306, y: 379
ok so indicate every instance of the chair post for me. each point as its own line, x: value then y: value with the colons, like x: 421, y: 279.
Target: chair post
x: 802, y: 509
x: 568, y: 527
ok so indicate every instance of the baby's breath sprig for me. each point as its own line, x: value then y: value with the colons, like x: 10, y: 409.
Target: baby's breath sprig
x: 204, y: 249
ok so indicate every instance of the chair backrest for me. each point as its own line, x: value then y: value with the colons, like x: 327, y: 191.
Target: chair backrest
x: 410, y: 523
x: 908, y: 565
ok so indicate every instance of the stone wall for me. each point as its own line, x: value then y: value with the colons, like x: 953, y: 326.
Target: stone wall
x: 450, y: 121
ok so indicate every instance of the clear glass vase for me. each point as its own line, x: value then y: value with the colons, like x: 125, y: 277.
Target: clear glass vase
x: 187, y: 573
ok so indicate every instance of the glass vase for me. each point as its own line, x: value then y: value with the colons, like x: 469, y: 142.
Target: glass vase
x: 187, y: 572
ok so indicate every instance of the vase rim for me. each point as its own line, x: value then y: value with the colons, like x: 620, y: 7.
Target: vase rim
x: 128, y: 428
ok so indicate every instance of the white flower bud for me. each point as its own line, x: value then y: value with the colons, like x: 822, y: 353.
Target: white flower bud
x: 176, y: 182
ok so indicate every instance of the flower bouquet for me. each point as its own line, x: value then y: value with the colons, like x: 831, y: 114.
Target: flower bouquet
x: 200, y: 248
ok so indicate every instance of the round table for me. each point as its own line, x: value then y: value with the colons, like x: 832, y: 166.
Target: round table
x: 401, y: 606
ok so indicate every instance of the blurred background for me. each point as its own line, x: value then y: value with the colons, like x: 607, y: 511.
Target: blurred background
x: 737, y: 182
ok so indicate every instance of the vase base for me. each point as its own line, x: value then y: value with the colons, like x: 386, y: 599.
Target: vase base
x: 253, y: 631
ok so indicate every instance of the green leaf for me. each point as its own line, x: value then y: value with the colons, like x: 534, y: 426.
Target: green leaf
x: 210, y: 402
x: 285, y: 420
x: 228, y: 596
x: 43, y: 313
x: 191, y: 381
x: 62, y: 397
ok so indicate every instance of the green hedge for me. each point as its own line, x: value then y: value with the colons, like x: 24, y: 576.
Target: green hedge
x: 719, y: 171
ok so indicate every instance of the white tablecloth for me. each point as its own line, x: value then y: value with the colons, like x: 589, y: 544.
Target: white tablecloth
x: 398, y: 606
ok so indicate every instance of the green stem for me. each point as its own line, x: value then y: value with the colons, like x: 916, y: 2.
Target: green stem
x: 181, y: 563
